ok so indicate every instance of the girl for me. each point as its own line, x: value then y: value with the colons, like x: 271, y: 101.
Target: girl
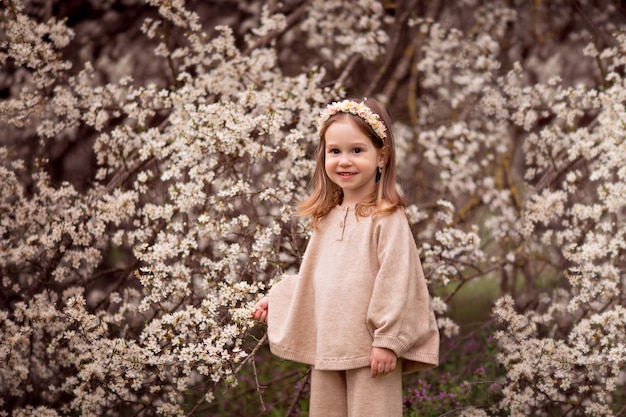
x: 359, y: 310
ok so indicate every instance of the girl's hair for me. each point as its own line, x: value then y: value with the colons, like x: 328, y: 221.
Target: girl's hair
x: 326, y: 194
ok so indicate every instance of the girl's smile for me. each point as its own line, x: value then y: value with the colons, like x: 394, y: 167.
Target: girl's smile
x: 351, y: 160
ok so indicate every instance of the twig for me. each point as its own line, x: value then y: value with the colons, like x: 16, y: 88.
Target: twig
x: 296, y: 399
x: 394, y: 39
x: 291, y: 20
x: 258, y: 385
x: 401, y: 69
x: 351, y: 63
x: 260, y: 343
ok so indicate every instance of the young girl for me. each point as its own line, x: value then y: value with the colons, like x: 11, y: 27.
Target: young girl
x: 359, y: 310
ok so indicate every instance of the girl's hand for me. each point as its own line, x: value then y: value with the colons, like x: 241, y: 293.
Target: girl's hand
x: 382, y: 361
x: 260, y: 309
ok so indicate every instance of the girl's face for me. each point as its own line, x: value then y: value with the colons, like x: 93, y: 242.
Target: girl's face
x: 351, y: 160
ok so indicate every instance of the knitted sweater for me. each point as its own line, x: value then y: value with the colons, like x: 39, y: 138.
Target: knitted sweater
x: 360, y: 285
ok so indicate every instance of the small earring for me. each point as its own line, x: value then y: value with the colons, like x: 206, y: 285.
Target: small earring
x: 380, y: 170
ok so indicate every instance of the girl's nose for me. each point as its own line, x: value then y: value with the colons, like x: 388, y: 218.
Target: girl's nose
x: 344, y: 160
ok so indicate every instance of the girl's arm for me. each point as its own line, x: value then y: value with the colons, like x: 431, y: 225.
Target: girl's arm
x: 260, y: 309
x: 399, y: 307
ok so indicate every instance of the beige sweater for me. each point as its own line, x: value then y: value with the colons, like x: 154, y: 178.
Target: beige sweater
x: 360, y: 285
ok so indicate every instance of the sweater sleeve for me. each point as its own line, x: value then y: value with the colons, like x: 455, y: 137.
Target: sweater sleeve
x: 399, y: 309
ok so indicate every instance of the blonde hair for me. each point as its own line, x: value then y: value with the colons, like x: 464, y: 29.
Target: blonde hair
x: 326, y: 194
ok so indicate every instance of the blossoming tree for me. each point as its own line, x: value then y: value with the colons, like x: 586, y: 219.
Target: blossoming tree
x: 152, y: 153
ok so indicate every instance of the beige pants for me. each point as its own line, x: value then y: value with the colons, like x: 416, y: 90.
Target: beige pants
x: 354, y: 393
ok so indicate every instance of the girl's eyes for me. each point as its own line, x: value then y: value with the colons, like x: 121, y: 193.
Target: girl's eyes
x: 337, y: 151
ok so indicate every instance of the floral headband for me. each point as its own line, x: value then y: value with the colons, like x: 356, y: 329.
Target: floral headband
x: 358, y: 109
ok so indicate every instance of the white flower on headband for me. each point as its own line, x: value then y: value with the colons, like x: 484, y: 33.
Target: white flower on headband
x: 358, y: 109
